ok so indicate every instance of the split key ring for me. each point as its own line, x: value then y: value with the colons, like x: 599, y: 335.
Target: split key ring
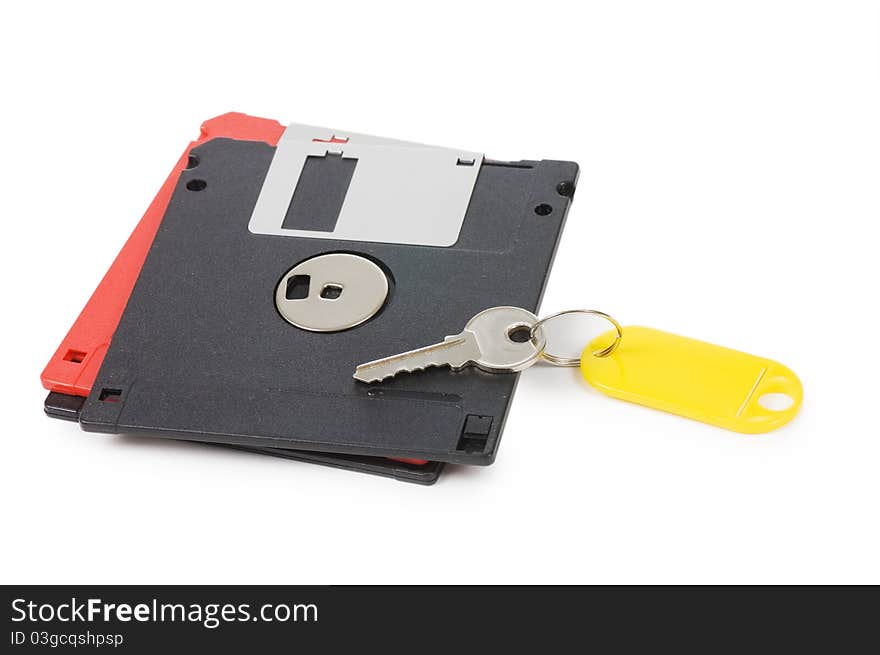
x: 558, y: 360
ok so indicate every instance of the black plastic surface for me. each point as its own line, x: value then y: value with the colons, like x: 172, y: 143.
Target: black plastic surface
x: 202, y: 354
x: 65, y: 407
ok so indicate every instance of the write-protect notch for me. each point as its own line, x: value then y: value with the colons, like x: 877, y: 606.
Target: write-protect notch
x: 397, y: 191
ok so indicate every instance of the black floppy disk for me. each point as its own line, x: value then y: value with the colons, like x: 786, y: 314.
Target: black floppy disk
x: 277, y: 269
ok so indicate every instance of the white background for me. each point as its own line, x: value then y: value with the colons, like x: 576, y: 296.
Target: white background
x: 730, y: 164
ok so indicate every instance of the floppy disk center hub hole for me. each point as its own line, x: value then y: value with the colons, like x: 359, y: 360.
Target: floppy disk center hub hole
x: 331, y: 292
x: 298, y: 287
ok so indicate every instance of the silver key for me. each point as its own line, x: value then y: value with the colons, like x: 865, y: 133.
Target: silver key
x: 487, y: 342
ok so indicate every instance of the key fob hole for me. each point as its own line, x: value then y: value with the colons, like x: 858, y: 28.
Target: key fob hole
x: 776, y: 402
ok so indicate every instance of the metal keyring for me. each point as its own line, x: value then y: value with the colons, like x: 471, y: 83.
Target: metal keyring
x: 576, y: 361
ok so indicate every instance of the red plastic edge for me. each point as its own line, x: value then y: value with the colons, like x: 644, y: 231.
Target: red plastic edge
x: 73, y: 368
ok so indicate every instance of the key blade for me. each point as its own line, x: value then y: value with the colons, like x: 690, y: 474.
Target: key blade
x: 455, y: 351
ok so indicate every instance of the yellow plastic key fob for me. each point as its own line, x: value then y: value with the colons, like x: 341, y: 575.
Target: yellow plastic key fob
x: 698, y: 380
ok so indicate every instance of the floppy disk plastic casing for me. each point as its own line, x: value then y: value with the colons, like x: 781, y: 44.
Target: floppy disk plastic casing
x: 201, y: 352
